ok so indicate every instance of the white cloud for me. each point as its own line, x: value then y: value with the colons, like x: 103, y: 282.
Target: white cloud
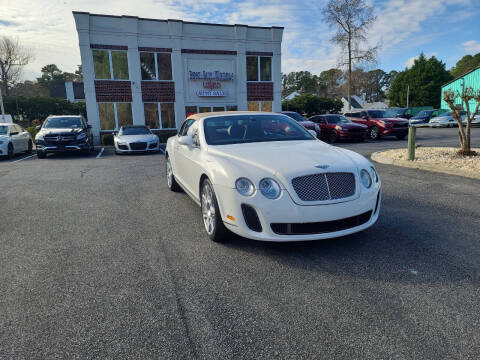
x: 471, y: 47
x: 48, y: 27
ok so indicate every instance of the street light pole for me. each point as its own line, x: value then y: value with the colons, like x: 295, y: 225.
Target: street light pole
x: 408, y: 94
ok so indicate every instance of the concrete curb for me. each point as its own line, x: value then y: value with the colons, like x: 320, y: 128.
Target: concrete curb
x: 380, y: 158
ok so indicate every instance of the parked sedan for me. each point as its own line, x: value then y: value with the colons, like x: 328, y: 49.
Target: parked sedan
x: 135, y: 138
x: 307, y: 124
x: 13, y: 140
x: 338, y: 127
x: 263, y: 176
x: 424, y: 116
x: 446, y: 120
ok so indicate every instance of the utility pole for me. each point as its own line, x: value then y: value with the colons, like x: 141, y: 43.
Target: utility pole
x: 408, y: 94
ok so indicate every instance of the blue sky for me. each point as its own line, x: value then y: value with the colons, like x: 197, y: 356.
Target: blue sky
x: 448, y: 29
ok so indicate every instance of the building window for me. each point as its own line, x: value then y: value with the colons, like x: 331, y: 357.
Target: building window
x: 260, y: 106
x: 110, y: 64
x: 252, y: 68
x: 151, y: 115
x: 114, y: 115
x: 160, y: 115
x: 190, y: 110
x: 156, y: 66
x: 259, y: 68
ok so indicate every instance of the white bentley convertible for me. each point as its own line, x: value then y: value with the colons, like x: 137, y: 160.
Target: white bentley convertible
x: 264, y: 177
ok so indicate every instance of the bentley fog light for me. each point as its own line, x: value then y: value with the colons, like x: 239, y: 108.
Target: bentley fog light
x: 269, y: 188
x: 244, y: 186
x: 366, y: 178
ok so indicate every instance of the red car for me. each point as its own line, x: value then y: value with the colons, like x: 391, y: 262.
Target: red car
x: 379, y: 123
x: 337, y: 127
x: 309, y: 125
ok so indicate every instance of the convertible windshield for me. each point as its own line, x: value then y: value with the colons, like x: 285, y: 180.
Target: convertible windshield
x: 3, y: 130
x: 136, y: 130
x: 63, y: 123
x: 236, y: 129
x: 337, y: 119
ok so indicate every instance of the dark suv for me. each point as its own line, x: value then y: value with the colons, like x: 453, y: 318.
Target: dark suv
x: 64, y: 133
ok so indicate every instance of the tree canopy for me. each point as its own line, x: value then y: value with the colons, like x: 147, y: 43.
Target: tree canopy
x: 465, y: 64
x: 51, y: 73
x: 425, y: 79
x: 311, y: 104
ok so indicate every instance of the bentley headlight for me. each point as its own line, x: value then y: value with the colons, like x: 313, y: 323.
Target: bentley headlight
x: 366, y: 178
x: 81, y: 136
x: 375, y: 174
x: 244, y: 186
x: 269, y: 188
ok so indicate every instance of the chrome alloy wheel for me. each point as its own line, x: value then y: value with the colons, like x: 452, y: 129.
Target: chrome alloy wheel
x: 169, y: 173
x: 208, y: 209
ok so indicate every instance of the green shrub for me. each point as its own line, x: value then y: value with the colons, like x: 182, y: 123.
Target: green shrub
x: 107, y: 139
x: 33, y: 131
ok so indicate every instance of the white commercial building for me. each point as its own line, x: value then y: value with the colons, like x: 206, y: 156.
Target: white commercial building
x: 156, y: 72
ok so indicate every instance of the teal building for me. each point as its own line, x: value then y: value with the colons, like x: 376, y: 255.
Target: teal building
x: 471, y: 78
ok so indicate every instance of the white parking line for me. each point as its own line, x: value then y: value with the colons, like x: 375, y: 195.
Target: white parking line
x: 100, y: 153
x: 25, y: 158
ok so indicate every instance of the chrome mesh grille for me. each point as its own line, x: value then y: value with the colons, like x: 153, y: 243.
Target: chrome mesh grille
x: 321, y: 187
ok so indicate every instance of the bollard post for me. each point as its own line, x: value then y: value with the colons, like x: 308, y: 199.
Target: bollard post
x: 412, y: 132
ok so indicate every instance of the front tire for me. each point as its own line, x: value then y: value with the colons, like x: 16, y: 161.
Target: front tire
x: 41, y: 154
x: 11, y: 151
x: 374, y: 133
x: 171, y: 182
x: 212, y: 219
x: 332, y: 137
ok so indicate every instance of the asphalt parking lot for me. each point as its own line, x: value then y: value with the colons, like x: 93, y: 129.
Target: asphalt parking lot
x: 99, y: 260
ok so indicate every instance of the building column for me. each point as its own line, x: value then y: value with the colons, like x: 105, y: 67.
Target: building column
x: 130, y: 29
x: 241, y: 70
x: 175, y: 29
x: 277, y: 34
x: 82, y: 22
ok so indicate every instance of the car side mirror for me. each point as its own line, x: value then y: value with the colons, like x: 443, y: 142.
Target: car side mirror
x: 185, y: 140
x: 14, y: 133
x: 38, y: 127
x: 313, y: 133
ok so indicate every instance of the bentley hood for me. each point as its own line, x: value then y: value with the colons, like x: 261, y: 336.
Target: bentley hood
x: 284, y: 160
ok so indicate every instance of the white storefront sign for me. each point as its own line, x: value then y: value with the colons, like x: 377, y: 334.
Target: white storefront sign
x: 207, y: 78
x: 209, y: 93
